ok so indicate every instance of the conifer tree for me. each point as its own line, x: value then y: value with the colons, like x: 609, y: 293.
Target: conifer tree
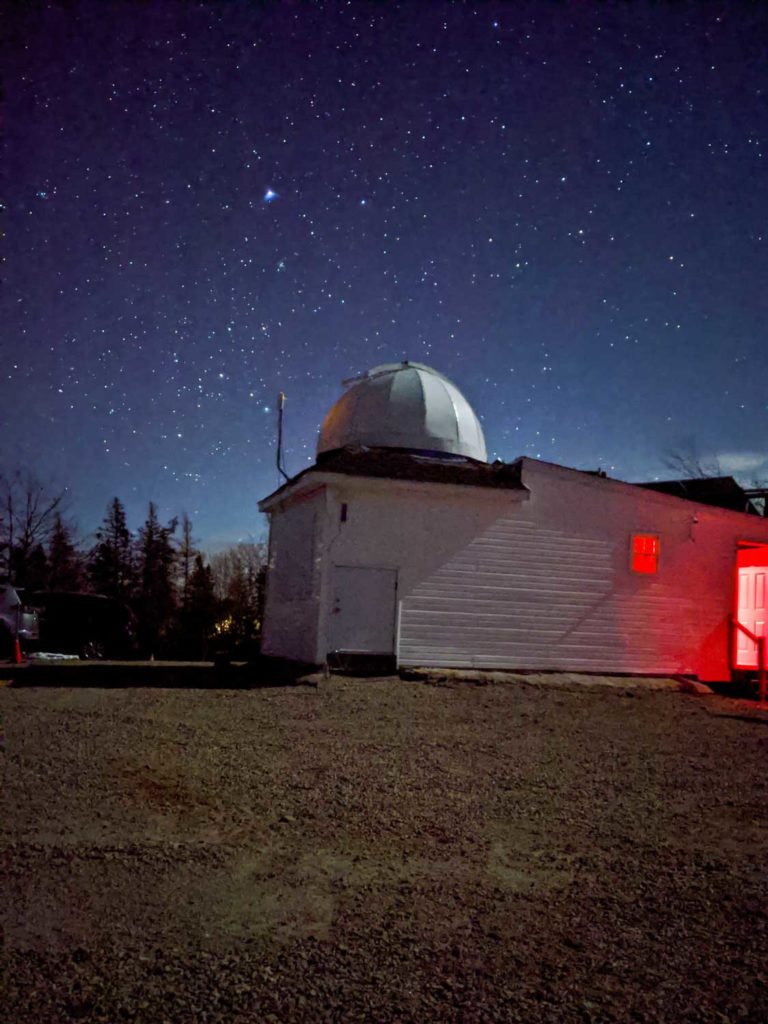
x: 65, y: 568
x: 32, y: 574
x: 199, y: 614
x: 112, y: 566
x: 187, y: 553
x: 156, y: 598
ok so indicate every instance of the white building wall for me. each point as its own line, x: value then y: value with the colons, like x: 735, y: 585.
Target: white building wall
x: 487, y: 579
x: 292, y: 602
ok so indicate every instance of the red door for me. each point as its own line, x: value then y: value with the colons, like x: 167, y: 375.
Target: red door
x: 752, y: 603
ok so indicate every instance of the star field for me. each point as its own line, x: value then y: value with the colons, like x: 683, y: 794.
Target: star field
x: 561, y: 207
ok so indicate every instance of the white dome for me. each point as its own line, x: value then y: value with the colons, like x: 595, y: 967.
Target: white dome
x: 404, y: 405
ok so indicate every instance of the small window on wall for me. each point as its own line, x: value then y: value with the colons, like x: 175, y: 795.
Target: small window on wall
x: 645, y: 552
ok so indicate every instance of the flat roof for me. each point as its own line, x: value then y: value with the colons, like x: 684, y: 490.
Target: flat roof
x: 402, y: 464
x: 440, y: 468
x: 719, y: 491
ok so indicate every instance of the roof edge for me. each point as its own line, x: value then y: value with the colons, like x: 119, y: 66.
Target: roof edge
x: 598, y: 478
x: 401, y: 466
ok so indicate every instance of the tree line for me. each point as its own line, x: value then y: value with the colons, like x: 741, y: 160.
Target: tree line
x: 182, y: 603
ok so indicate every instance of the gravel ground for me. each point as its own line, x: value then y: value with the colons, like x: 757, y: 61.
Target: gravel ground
x: 384, y: 850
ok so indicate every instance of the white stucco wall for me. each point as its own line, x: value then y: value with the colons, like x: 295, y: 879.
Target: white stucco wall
x: 291, y: 611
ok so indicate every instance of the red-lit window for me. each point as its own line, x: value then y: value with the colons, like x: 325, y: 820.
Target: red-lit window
x: 645, y: 552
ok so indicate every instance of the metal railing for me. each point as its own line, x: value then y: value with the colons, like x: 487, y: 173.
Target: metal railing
x: 762, y: 660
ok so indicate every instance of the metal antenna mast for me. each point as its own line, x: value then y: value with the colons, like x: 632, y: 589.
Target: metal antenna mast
x: 279, y: 460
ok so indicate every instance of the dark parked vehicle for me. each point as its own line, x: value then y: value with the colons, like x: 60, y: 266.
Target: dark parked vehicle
x: 89, y: 625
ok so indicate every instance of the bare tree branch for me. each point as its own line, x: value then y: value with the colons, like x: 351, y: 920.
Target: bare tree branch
x: 688, y: 464
x: 30, y: 509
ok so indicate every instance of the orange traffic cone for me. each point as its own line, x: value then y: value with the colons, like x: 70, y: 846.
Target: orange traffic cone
x: 17, y: 652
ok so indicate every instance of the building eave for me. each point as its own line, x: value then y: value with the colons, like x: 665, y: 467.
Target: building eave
x: 313, y: 478
x: 598, y: 480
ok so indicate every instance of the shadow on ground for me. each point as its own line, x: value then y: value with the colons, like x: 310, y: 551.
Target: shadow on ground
x: 264, y: 672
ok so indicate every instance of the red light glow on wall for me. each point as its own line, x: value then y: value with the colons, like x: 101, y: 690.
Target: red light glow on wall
x: 645, y: 552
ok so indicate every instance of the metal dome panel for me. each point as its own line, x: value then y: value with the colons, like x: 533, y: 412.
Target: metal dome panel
x: 403, y: 405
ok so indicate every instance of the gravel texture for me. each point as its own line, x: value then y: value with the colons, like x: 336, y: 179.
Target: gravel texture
x: 384, y: 850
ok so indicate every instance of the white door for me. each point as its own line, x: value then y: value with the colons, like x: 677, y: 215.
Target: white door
x: 752, y: 612
x: 363, y: 605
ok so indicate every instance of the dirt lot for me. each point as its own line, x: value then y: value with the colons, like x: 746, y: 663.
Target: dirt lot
x: 383, y: 850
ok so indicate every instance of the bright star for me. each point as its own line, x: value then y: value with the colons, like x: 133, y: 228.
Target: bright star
x: 270, y: 195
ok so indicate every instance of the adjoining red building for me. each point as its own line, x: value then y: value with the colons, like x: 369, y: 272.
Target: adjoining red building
x: 403, y: 541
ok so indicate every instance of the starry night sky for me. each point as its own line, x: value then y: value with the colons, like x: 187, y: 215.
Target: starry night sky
x: 561, y: 207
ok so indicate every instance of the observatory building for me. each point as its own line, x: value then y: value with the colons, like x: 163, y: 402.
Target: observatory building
x: 403, y: 543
